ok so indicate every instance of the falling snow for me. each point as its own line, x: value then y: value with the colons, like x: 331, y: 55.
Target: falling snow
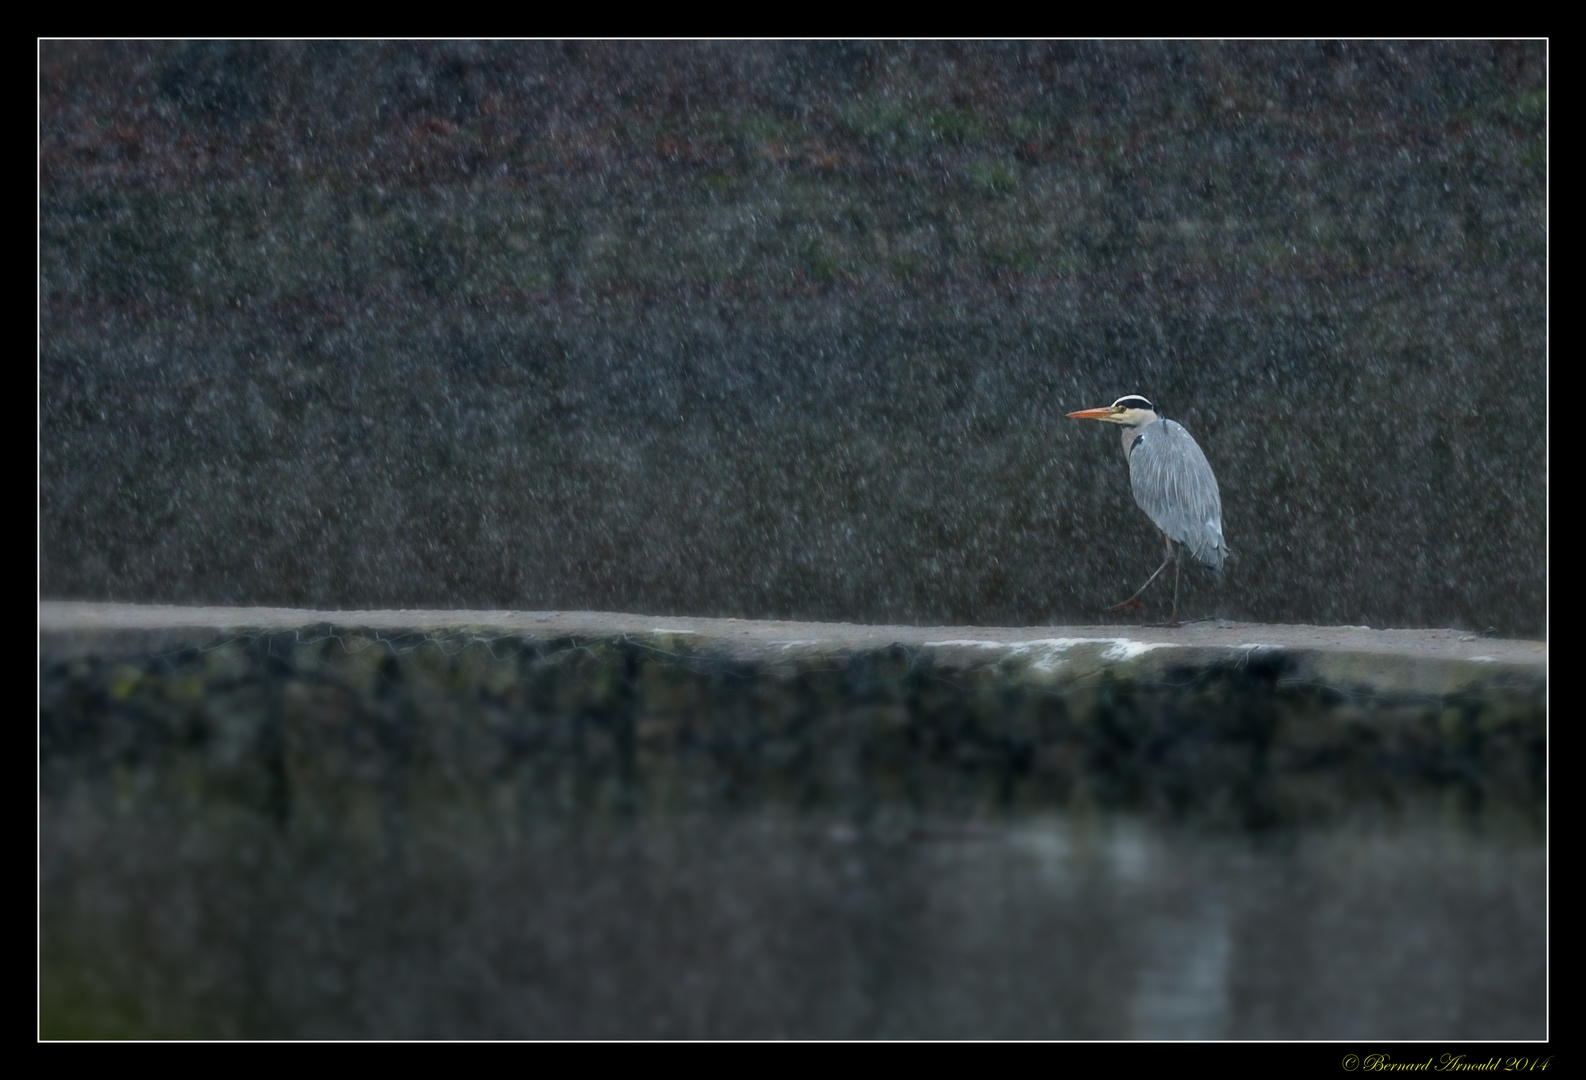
x: 785, y: 330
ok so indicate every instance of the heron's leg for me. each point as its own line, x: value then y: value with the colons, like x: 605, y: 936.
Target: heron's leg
x: 1146, y: 586
x: 1178, y: 569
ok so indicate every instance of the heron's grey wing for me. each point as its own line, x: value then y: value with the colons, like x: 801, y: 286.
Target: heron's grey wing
x: 1174, y: 485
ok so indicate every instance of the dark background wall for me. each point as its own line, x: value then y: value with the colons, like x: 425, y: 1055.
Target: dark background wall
x: 788, y: 330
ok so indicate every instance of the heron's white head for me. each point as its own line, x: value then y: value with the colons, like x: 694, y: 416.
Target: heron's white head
x: 1131, y: 410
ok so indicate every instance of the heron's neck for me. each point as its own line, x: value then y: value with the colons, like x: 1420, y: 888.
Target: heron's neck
x: 1132, y: 432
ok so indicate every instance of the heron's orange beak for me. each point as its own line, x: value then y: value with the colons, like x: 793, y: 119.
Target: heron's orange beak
x: 1091, y: 414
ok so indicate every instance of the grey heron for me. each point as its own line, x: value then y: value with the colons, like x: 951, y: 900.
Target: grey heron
x: 1172, y: 482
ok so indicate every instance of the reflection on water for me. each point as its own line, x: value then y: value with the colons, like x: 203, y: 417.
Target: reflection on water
x: 771, y: 924
x: 1181, y: 990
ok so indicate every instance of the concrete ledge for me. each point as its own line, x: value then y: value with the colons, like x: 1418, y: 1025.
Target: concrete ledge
x: 1387, y: 660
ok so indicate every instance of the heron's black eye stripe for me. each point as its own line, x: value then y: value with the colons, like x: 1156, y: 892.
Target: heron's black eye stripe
x: 1132, y: 402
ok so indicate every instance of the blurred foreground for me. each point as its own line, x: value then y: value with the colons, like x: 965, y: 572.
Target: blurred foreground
x: 350, y: 832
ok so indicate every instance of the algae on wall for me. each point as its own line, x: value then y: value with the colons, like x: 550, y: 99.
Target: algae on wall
x: 337, y: 726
